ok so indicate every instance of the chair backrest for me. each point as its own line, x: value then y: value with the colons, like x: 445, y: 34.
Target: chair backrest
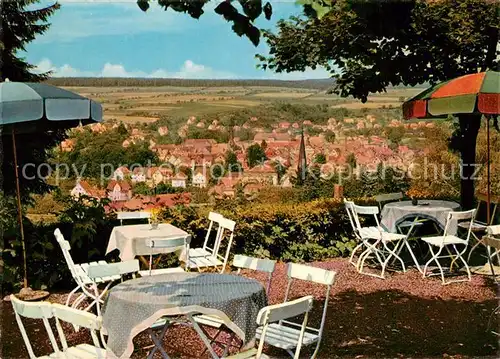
x: 226, y: 227
x: 214, y: 219
x: 349, y: 206
x: 173, y: 243
x: 99, y: 270
x: 78, y: 318
x: 481, y: 216
x: 315, y: 275
x: 494, y: 230
x: 365, y: 211
x: 278, y: 312
x: 456, y: 217
x: 388, y: 197
x: 133, y: 215
x: 33, y: 310
x: 257, y: 264
x: 76, y: 272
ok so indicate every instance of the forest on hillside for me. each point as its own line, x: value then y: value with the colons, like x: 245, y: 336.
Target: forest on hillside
x: 320, y: 84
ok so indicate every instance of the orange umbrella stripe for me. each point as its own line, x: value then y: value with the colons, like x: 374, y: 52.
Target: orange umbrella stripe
x: 465, y: 85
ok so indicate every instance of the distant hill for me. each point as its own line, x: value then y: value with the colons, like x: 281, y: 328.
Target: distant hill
x: 320, y: 84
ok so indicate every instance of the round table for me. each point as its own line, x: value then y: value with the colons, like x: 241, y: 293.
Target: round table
x: 396, y: 212
x: 133, y: 306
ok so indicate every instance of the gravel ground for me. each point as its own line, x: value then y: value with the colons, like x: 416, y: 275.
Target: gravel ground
x: 403, y: 316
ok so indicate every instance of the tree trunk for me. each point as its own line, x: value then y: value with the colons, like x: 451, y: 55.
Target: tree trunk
x: 469, y: 129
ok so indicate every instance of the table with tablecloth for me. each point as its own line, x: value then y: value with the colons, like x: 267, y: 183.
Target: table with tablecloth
x: 437, y: 210
x: 131, y: 240
x: 133, y: 306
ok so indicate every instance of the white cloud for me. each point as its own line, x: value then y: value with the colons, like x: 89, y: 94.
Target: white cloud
x: 189, y: 70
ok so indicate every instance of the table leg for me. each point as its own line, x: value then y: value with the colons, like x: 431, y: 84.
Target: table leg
x: 203, y: 337
x: 144, y: 261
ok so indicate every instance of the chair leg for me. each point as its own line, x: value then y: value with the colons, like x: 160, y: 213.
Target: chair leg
x: 478, y: 242
x: 434, y: 258
x: 351, y: 258
x: 71, y: 294
x: 459, y: 255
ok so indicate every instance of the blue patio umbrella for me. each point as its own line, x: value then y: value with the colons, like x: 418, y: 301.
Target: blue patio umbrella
x: 36, y: 107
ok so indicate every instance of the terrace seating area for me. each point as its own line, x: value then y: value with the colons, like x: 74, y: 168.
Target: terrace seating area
x: 218, y: 304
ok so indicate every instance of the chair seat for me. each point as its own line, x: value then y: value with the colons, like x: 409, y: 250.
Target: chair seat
x: 449, y: 239
x: 145, y: 273
x: 84, y: 268
x: 209, y: 320
x: 476, y: 227
x: 199, y: 252
x: 285, y: 337
x: 248, y: 354
x: 204, y: 262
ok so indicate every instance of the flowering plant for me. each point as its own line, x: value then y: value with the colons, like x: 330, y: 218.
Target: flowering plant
x: 155, y: 215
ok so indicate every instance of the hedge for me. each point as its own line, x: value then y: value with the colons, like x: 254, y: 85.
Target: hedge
x: 288, y: 232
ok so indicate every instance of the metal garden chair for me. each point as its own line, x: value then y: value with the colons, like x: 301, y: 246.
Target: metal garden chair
x: 378, y: 242
x: 288, y: 335
x: 271, y: 316
x: 125, y: 216
x: 88, y: 276
x: 170, y: 244
x: 214, y: 259
x: 449, y: 242
x: 240, y: 262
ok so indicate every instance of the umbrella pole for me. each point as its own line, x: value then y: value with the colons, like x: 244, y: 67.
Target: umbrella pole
x: 19, y: 209
x: 488, y: 185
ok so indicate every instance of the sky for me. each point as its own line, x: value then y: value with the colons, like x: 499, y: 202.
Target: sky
x: 114, y: 38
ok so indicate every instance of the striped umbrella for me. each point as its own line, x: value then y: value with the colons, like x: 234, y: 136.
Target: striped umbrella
x: 474, y: 93
x: 35, y: 107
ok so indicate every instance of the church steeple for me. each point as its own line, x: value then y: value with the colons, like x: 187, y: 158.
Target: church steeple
x: 302, y: 163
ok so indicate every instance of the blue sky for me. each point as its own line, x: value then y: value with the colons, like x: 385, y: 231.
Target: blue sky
x: 114, y: 38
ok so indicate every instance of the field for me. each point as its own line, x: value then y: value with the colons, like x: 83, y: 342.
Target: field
x: 147, y: 103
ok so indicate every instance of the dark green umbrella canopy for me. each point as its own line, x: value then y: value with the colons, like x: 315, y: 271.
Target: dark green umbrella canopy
x: 34, y: 108
x: 28, y: 107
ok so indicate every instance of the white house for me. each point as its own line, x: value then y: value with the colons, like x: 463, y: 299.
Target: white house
x: 199, y: 179
x: 119, y: 191
x: 179, y: 180
x: 121, y: 173
x: 83, y: 188
x: 138, y: 175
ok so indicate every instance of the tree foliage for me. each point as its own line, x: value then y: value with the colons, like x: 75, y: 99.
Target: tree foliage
x: 20, y: 26
x: 370, y: 45
x: 242, y: 20
x: 255, y: 155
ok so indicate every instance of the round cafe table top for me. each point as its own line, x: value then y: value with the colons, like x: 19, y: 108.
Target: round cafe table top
x: 437, y: 210
x: 134, y: 305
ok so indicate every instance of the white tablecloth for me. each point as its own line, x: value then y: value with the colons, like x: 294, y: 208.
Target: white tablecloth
x: 396, y: 212
x: 131, y: 240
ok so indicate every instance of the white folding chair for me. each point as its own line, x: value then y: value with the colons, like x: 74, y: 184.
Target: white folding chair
x: 356, y: 227
x: 492, y: 240
x: 480, y: 221
x: 124, y: 216
x: 378, y: 242
x: 80, y: 319
x: 272, y: 315
x: 215, y: 260
x: 34, y: 310
x: 170, y: 245
x: 286, y: 334
x: 240, y: 262
x: 207, y: 249
x: 448, y: 240
x: 89, y: 275
x: 397, y: 197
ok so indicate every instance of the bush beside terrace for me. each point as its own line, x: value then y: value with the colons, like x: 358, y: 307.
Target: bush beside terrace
x: 307, y: 231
